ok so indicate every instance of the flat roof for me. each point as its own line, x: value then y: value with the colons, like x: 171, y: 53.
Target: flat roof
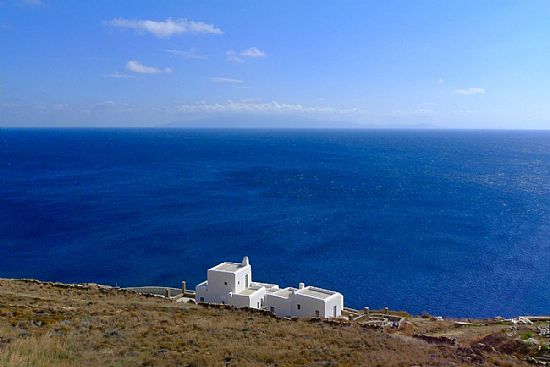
x: 267, y: 285
x: 284, y: 293
x: 248, y: 291
x: 254, y: 287
x: 228, y: 267
x: 316, y: 292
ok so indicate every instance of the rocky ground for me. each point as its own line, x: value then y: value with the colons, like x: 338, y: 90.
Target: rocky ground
x: 46, y: 324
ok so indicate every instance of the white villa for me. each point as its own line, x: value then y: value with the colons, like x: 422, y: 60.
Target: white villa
x: 231, y: 283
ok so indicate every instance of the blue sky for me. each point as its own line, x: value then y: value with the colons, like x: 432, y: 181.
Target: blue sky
x: 456, y: 64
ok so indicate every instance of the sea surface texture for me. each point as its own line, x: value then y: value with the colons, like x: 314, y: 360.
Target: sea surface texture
x: 455, y: 223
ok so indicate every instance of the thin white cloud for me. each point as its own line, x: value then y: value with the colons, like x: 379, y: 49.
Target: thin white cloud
x: 187, y: 54
x: 253, y: 52
x: 232, y: 56
x: 104, y: 104
x: 249, y: 53
x: 251, y: 106
x: 440, y: 81
x: 166, y: 28
x: 137, y: 67
x: 470, y: 91
x: 222, y: 79
x: 110, y: 106
x: 9, y: 105
x: 117, y: 75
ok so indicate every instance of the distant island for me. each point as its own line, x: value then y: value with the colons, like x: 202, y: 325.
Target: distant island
x: 287, y: 122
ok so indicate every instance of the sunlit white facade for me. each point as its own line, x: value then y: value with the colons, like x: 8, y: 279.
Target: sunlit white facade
x: 231, y: 283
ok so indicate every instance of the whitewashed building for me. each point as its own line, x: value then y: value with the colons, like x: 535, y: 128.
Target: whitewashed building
x: 231, y: 283
x: 305, y: 302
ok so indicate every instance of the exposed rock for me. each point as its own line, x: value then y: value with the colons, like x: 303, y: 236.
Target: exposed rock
x: 542, y: 331
x: 23, y: 333
x: 440, y: 340
x: 522, y: 320
x: 330, y: 363
x: 37, y: 323
x: 111, y: 333
x: 160, y: 353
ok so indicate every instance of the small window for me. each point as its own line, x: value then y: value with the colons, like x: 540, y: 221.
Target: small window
x: 316, y: 313
x: 298, y: 306
x: 272, y: 309
x: 201, y: 299
x: 238, y: 282
x: 258, y: 304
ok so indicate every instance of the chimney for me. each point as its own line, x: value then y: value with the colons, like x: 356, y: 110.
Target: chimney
x: 367, y: 312
x: 301, y: 286
x: 245, y: 261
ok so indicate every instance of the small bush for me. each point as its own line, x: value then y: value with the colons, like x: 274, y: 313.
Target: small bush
x: 527, y: 335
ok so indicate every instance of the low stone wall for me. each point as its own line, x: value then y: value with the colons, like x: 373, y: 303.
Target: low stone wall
x: 156, y: 291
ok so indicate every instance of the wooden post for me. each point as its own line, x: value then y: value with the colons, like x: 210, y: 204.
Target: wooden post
x: 367, y: 312
x: 183, y: 287
x: 386, y: 310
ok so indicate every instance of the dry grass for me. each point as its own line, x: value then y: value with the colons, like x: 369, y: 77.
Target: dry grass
x: 47, y: 325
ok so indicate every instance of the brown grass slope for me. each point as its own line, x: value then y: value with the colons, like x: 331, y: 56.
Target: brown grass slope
x: 48, y: 325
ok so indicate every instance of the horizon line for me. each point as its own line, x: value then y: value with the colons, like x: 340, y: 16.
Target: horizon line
x: 161, y: 127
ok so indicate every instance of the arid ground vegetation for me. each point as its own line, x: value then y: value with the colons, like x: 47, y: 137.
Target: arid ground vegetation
x: 44, y: 324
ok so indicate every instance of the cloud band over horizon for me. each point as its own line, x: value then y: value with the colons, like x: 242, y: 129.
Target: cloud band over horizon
x: 166, y: 28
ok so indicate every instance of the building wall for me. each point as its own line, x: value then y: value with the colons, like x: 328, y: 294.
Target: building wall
x: 288, y: 307
x: 334, y: 300
x: 223, y: 287
x: 201, y: 293
x: 281, y: 305
x: 308, y: 306
x: 257, y: 300
x: 253, y: 301
x: 219, y: 285
x: 241, y: 279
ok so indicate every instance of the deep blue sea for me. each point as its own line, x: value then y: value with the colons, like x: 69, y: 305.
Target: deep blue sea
x: 455, y: 223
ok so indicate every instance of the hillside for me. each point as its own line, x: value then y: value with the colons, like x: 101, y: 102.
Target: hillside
x: 46, y: 324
